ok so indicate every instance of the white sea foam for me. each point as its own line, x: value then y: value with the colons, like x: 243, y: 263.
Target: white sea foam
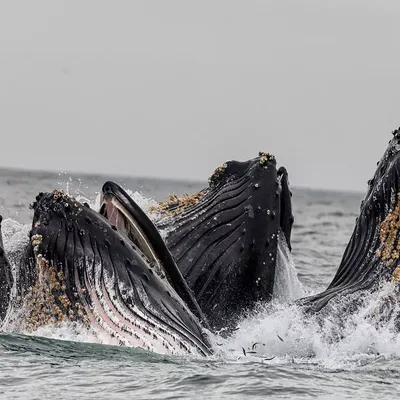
x: 283, y: 333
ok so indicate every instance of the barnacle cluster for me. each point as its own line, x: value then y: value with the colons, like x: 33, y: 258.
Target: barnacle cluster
x: 396, y: 275
x: 56, y: 195
x: 59, y: 195
x: 47, y: 301
x: 265, y: 158
x: 36, y: 240
x: 395, y: 131
x: 214, y: 178
x: 389, y: 249
x: 176, y: 205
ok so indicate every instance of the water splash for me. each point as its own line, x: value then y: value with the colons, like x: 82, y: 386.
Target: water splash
x: 287, y: 286
x: 282, y: 334
x: 144, y: 203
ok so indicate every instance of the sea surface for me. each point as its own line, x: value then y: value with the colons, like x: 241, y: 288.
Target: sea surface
x: 273, y: 354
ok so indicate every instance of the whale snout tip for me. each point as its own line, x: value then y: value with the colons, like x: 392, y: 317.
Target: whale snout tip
x: 108, y: 188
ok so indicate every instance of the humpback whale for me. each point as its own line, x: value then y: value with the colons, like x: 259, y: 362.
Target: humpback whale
x: 79, y: 268
x: 372, y: 256
x: 224, y: 238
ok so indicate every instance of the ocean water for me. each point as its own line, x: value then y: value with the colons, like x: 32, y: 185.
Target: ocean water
x: 274, y: 353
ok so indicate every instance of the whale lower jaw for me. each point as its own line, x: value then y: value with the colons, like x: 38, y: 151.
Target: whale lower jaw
x: 109, y: 316
x: 102, y: 305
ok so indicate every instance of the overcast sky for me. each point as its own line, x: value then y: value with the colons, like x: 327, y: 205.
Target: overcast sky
x: 174, y: 88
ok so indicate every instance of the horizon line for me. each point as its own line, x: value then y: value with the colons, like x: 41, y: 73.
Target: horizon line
x: 157, y: 178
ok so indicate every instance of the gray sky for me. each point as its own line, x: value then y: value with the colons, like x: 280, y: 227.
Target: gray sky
x: 174, y: 88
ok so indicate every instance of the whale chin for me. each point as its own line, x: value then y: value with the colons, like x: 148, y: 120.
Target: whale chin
x: 371, y: 259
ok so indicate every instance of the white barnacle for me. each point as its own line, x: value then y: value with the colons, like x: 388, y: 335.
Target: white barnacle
x: 36, y: 240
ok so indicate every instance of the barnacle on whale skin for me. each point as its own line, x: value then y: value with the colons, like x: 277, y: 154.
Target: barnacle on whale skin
x: 46, y: 301
x: 176, y: 205
x: 265, y: 157
x: 396, y: 275
x: 36, y: 240
x: 389, y: 249
x: 395, y: 131
x: 216, y: 175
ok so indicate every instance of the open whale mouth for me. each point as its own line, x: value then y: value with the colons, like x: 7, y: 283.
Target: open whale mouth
x: 116, y: 207
x: 114, y: 210
x: 120, y: 210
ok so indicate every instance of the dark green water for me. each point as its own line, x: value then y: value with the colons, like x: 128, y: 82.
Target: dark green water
x: 293, y: 359
x: 38, y: 368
